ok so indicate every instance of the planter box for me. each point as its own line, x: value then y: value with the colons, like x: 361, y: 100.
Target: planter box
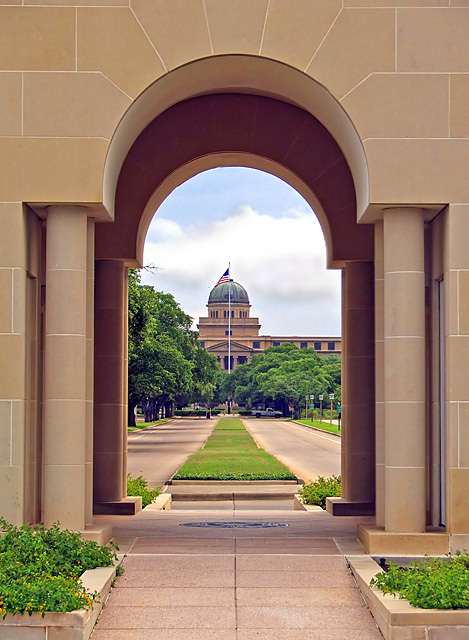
x: 397, y: 619
x: 162, y: 502
x: 76, y: 625
x: 299, y: 506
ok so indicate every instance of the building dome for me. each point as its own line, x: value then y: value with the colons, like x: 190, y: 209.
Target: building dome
x: 232, y: 289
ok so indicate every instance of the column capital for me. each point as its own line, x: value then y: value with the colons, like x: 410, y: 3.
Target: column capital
x: 68, y: 209
x: 405, y: 209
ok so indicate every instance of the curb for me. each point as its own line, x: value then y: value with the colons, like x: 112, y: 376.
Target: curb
x: 299, y: 506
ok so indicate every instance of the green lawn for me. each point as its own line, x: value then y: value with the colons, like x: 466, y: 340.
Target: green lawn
x: 143, y: 425
x: 325, y: 425
x: 230, y: 453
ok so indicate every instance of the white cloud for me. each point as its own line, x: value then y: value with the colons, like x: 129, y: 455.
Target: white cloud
x: 280, y: 261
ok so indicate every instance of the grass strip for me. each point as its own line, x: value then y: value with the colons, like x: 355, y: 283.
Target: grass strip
x: 144, y: 425
x: 230, y: 453
x: 324, y: 426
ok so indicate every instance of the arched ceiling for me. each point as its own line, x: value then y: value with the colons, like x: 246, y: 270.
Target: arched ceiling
x: 250, y: 129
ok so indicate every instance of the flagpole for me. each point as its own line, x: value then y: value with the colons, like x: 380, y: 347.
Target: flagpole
x: 229, y: 318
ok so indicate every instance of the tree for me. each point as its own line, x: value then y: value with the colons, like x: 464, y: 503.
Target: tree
x: 164, y: 356
x: 285, y: 375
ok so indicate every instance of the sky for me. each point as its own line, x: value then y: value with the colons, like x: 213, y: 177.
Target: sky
x: 268, y: 234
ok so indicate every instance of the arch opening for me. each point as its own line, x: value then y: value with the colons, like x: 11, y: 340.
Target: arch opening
x: 241, y: 130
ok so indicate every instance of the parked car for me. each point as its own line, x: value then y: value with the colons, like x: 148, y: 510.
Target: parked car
x: 268, y: 412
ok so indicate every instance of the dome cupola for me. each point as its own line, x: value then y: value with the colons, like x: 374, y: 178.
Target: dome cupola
x: 231, y: 290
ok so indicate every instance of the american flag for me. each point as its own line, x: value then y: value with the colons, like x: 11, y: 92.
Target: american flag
x: 225, y: 277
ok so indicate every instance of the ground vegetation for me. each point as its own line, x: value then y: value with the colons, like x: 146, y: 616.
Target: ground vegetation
x: 230, y: 453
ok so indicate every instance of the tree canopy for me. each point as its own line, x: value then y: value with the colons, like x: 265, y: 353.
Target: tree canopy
x: 165, y: 359
x: 284, y: 375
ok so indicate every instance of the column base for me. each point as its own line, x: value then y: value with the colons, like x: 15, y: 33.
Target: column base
x: 98, y: 533
x: 342, y: 507
x: 377, y: 541
x: 129, y: 506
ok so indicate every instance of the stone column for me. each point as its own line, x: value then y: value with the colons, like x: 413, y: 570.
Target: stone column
x: 379, y: 372
x: 89, y: 373
x: 65, y: 367
x: 109, y: 381
x: 358, y: 392
x: 404, y: 370
x: 125, y: 379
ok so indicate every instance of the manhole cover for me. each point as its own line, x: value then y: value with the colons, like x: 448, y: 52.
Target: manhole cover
x: 234, y: 525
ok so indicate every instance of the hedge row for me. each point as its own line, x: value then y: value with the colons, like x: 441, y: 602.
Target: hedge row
x: 195, y: 412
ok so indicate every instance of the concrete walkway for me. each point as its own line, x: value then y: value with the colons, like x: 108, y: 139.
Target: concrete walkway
x: 237, y: 581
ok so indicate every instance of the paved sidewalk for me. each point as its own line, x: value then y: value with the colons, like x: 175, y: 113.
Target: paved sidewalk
x: 234, y: 582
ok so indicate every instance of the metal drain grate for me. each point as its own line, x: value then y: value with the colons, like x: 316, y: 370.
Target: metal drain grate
x: 235, y: 525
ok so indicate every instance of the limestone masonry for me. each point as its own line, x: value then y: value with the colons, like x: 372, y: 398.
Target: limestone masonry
x: 360, y: 105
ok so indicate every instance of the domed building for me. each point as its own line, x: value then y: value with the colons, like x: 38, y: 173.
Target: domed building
x: 230, y: 333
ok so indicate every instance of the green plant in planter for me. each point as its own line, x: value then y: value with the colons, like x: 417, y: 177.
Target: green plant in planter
x: 40, y: 568
x: 316, y: 492
x: 436, y: 583
x: 139, y: 487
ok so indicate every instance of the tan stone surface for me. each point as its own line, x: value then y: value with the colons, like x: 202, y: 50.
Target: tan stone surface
x: 455, y: 306
x: 459, y: 104
x: 446, y: 29
x: 178, y: 30
x: 11, y: 489
x: 75, y: 3
x: 230, y: 32
x: 61, y: 482
x: 407, y: 355
x: 24, y: 46
x: 463, y: 435
x: 398, y: 3
x: 463, y: 299
x: 387, y: 105
x: 13, y: 243
x: 294, y: 31
x: 130, y: 62
x: 458, y: 358
x: 71, y: 105
x: 403, y: 506
x: 10, y: 104
x: 377, y: 541
x: 397, y: 284
x: 69, y: 285
x: 403, y: 417
x: 51, y: 170
x: 458, y: 498
x: 400, y: 170
x: 11, y: 375
x: 457, y: 238
x: 6, y: 309
x: 359, y: 43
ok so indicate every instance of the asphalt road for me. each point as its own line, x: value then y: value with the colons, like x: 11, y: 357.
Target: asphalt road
x: 307, y: 452
x: 157, y: 452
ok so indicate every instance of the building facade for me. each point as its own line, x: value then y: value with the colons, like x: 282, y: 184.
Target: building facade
x: 229, y: 317
x: 360, y: 105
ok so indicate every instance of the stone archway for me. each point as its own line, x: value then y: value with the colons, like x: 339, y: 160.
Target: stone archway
x: 260, y: 131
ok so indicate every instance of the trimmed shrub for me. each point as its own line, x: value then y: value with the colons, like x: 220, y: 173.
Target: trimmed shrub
x: 139, y: 487
x: 436, y: 583
x: 316, y: 492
